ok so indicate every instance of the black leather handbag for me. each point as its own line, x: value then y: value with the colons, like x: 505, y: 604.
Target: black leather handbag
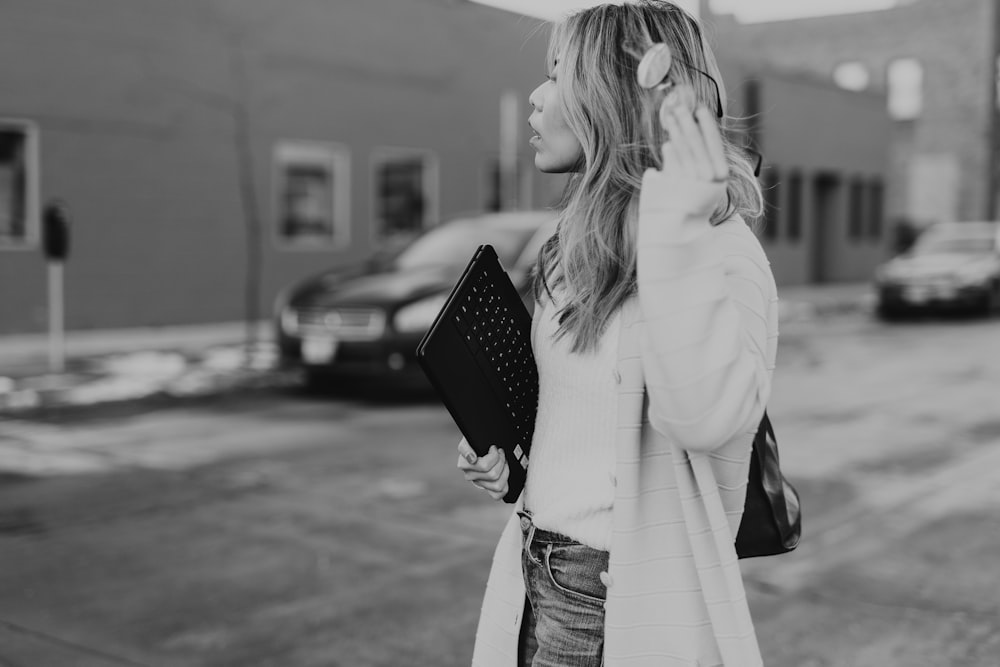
x: 772, y: 518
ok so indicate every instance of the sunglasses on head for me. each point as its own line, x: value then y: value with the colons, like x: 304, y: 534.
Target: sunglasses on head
x: 654, y: 73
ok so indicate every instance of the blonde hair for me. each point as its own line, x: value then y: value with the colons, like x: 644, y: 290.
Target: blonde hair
x: 593, y: 255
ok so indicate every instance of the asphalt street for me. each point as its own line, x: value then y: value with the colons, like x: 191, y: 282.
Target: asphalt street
x: 276, y: 528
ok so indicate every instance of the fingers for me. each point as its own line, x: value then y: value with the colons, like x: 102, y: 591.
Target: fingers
x: 680, y: 146
x: 671, y: 160
x: 466, y: 455
x: 487, y: 468
x: 695, y: 148
x: 469, y: 461
x: 713, y: 143
x: 489, y: 472
x: 497, y: 488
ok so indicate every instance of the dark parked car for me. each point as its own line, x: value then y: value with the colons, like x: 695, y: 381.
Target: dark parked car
x: 953, y: 265
x: 367, y: 323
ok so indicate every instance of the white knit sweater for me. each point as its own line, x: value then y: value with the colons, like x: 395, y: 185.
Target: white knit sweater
x: 695, y: 358
x: 570, y: 486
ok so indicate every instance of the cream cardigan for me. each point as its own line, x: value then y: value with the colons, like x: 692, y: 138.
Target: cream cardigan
x: 695, y: 358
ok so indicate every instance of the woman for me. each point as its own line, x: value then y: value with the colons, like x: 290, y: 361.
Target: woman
x: 655, y: 334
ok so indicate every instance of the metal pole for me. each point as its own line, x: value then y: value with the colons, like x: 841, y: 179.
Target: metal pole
x: 57, y: 347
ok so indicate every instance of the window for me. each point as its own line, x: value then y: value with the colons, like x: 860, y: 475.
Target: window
x: 794, y: 217
x: 852, y: 75
x: 875, y: 213
x: 18, y: 184
x: 906, y: 83
x: 856, y: 209
x: 311, y: 195
x: 772, y: 204
x: 404, y: 187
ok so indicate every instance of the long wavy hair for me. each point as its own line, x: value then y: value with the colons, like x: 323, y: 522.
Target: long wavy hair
x: 593, y: 254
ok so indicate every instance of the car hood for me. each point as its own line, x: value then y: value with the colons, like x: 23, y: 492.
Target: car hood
x: 385, y: 289
x: 928, y: 265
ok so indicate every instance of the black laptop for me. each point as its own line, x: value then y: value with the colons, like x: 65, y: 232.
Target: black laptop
x: 478, y: 357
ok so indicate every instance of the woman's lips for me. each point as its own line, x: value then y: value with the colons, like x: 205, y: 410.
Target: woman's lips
x: 534, y: 134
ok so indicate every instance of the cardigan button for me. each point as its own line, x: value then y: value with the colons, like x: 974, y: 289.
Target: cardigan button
x: 617, y: 376
x: 607, y: 580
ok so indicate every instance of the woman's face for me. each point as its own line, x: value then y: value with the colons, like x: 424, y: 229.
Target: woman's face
x: 557, y: 150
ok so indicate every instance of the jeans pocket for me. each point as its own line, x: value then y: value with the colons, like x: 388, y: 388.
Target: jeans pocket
x: 575, y: 570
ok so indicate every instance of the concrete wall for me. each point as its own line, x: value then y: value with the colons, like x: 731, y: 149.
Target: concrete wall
x: 137, y: 104
x: 942, y: 160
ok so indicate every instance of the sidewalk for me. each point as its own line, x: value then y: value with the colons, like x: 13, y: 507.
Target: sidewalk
x: 128, y: 364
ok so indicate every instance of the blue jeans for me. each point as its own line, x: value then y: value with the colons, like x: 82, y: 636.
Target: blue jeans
x: 564, y: 615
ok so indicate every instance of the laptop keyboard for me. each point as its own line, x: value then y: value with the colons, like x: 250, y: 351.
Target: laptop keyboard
x: 502, y: 349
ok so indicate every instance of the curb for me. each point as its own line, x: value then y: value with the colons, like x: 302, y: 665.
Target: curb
x: 149, y: 374
x: 20, y: 402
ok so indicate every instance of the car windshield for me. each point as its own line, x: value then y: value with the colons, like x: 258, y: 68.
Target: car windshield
x: 454, y: 244
x: 941, y: 244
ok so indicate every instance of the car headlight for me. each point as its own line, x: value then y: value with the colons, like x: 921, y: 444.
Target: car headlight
x: 289, y: 319
x: 419, y: 315
x: 285, y: 316
x: 886, y: 273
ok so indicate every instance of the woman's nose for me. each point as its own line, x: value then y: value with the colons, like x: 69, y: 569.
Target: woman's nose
x: 535, y: 99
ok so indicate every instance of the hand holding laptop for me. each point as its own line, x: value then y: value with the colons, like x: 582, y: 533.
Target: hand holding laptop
x: 477, y: 355
x: 489, y: 472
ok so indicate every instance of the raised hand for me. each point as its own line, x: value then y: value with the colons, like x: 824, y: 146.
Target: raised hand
x: 694, y: 147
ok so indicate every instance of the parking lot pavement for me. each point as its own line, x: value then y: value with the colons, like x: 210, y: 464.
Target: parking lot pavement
x: 264, y: 528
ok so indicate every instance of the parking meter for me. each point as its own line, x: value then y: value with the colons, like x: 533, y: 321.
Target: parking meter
x: 55, y: 246
x: 55, y: 232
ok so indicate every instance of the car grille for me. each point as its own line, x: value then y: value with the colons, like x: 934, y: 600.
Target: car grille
x: 344, y: 323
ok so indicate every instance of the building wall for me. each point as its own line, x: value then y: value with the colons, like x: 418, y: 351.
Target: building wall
x: 810, y: 132
x: 138, y: 108
x: 942, y: 161
x: 142, y: 107
x: 796, y: 136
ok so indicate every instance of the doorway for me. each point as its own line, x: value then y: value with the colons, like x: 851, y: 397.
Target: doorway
x: 826, y: 215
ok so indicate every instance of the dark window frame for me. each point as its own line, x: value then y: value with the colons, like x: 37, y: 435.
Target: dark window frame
x: 857, y: 211
x: 876, y: 209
